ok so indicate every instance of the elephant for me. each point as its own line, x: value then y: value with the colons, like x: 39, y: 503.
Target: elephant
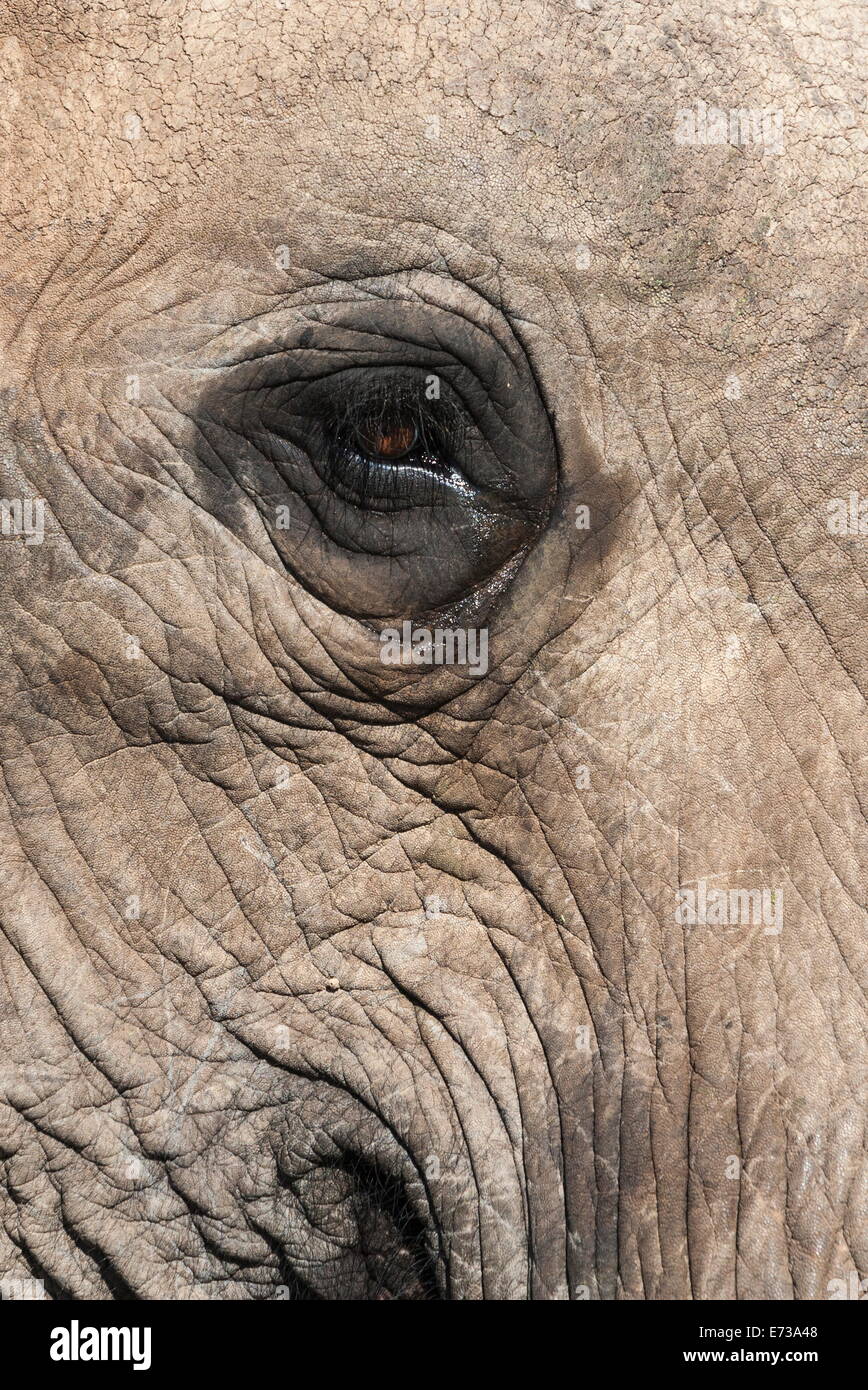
x: 433, y: 551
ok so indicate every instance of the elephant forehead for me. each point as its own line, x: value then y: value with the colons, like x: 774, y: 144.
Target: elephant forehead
x: 563, y: 121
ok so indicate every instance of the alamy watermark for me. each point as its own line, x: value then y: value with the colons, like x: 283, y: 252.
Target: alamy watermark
x: 847, y: 516
x: 14, y: 1290
x: 77, y: 1343
x: 730, y: 907
x: 23, y: 516
x: 853, y: 1289
x: 439, y: 646
x: 701, y: 124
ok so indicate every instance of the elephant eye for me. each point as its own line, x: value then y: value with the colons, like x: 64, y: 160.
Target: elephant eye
x: 379, y: 444
x: 389, y: 442
x: 399, y: 457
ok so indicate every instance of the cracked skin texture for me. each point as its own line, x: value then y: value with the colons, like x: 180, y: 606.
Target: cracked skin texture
x: 230, y: 1030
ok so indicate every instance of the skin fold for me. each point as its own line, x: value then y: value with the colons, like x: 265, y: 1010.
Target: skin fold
x: 323, y: 978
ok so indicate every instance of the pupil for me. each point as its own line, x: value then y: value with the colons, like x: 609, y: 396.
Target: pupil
x: 387, y: 441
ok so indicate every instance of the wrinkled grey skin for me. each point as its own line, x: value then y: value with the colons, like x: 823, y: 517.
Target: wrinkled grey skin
x: 322, y: 977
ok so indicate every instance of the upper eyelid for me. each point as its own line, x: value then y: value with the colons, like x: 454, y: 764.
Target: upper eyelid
x: 356, y: 389
x: 287, y: 346
x: 261, y: 374
x: 375, y: 345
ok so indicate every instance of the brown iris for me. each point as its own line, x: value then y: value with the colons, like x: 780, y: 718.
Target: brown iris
x: 389, y: 442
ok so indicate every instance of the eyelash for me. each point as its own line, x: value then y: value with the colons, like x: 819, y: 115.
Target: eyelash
x: 418, y: 477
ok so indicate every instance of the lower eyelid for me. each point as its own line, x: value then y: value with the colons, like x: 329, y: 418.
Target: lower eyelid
x: 365, y: 483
